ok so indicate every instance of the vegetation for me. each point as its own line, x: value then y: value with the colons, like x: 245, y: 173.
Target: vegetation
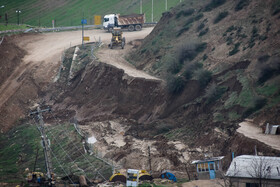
x: 198, y: 16
x: 268, y: 70
x: 175, y: 84
x: 220, y: 16
x: 275, y: 7
x: 214, y: 4
x: 19, y: 147
x: 70, y: 13
x: 213, y: 93
x: 200, y: 26
x: 13, y: 27
x: 235, y: 49
x: 186, y: 12
x: 203, y: 32
x: 190, y: 68
x: 241, y: 4
x: 203, y: 76
x: 188, y: 51
x: 171, y: 64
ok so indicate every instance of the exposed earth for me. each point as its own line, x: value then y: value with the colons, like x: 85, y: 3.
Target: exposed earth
x: 28, y: 75
x: 111, y: 100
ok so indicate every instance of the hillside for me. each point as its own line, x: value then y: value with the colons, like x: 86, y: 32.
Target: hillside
x: 69, y: 13
x: 230, y: 48
x: 221, y: 63
x: 211, y: 66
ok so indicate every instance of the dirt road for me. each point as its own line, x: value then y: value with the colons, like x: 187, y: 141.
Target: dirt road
x: 251, y: 130
x: 116, y: 57
x: 44, y: 52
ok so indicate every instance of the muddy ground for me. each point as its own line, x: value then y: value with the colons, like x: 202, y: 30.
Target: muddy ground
x: 126, y: 110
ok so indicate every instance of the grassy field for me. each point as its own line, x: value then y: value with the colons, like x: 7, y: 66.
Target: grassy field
x: 70, y: 12
x: 19, y: 147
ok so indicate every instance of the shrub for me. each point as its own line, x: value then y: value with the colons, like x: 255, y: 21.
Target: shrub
x: 163, y: 128
x: 203, y: 32
x: 235, y: 49
x: 275, y: 7
x: 263, y: 58
x: 200, y: 26
x: 205, y: 57
x: 175, y: 85
x: 201, y: 47
x: 263, y: 37
x: 186, y: 52
x: 255, y: 32
x: 186, y: 12
x: 214, y: 92
x: 231, y: 28
x: 258, y: 104
x: 214, y: 4
x: 241, y: 4
x: 189, y: 51
x: 198, y: 16
x: 170, y: 64
x: 203, y: 76
x: 190, y: 69
x: 267, y: 70
x: 184, y: 29
x: 229, y: 40
x: 220, y: 16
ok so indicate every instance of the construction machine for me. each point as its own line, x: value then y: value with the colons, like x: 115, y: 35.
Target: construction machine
x: 117, y: 39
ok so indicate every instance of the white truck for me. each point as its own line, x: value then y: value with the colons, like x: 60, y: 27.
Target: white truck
x: 132, y: 22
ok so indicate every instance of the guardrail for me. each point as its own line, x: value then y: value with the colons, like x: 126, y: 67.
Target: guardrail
x: 57, y: 29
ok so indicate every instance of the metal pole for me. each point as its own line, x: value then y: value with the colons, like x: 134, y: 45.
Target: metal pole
x: 18, y: 17
x: 165, y: 5
x: 141, y: 7
x: 152, y: 11
x: 83, y: 30
x: 45, y: 145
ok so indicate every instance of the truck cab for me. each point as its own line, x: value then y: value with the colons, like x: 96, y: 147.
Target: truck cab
x: 109, y: 21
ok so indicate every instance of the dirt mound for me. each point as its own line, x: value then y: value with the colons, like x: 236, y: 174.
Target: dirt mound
x: 110, y: 92
x: 10, y: 57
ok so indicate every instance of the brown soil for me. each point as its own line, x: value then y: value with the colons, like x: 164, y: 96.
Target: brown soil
x: 31, y: 62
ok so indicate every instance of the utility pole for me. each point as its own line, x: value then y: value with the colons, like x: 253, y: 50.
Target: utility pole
x: 45, y: 142
x: 18, y: 12
x: 152, y: 11
x: 165, y: 5
x: 83, y: 29
x: 141, y: 7
x: 150, y: 160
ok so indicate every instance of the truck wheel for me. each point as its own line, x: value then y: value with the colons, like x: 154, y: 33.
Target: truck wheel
x: 123, y: 39
x: 111, y: 45
x: 123, y: 44
x: 131, y: 28
x: 138, y: 27
x: 110, y: 29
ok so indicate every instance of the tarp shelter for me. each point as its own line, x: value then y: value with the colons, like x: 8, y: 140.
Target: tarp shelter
x: 168, y: 175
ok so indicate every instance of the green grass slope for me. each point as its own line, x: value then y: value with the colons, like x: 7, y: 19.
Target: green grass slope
x: 70, y: 12
x: 19, y: 147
